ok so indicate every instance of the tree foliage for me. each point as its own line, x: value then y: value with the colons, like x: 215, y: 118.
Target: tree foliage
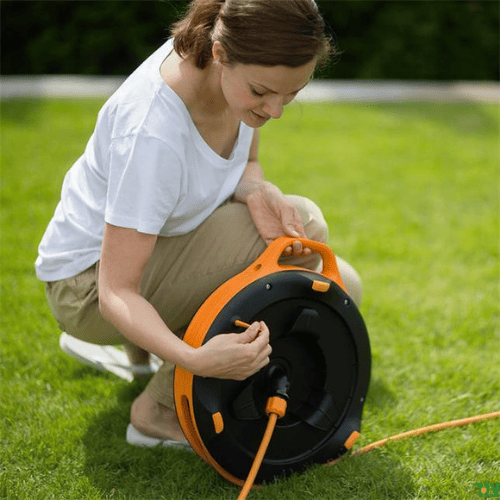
x: 403, y: 39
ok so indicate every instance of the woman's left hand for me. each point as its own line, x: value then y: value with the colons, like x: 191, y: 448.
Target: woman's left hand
x: 275, y: 216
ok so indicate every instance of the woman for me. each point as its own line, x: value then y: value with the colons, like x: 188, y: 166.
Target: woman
x: 169, y: 200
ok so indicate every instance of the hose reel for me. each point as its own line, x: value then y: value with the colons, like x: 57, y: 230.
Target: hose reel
x: 320, y: 362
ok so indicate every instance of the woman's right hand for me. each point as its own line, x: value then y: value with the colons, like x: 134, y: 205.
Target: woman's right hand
x: 233, y: 356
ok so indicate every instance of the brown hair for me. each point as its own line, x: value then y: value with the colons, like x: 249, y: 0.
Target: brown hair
x: 262, y: 32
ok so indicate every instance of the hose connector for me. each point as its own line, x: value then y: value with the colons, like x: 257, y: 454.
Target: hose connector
x: 278, y: 381
x: 276, y: 405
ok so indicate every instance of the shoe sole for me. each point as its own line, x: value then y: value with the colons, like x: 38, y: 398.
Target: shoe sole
x: 136, y: 438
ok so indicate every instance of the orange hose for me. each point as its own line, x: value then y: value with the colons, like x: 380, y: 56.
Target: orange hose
x: 421, y: 430
x: 273, y: 417
x: 276, y: 408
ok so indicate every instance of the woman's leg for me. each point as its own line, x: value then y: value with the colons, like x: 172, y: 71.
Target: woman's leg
x: 352, y: 281
x: 74, y: 303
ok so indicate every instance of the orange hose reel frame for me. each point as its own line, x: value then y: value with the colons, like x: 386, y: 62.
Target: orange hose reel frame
x: 267, y: 263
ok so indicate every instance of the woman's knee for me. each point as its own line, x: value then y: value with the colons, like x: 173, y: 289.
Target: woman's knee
x: 316, y: 228
x: 352, y: 281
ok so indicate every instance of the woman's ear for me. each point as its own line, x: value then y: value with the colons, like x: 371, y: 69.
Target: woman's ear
x: 218, y: 53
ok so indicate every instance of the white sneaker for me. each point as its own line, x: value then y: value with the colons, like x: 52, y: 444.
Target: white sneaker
x: 106, y: 358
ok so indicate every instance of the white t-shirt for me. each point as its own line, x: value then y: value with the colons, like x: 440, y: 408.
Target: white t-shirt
x: 146, y: 167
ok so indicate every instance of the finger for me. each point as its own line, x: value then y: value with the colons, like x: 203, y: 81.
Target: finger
x: 291, y: 231
x: 264, y: 362
x: 261, y: 350
x: 261, y: 360
x: 297, y: 247
x: 262, y: 339
x: 299, y: 226
x: 250, y: 334
x: 291, y: 222
x: 267, y: 351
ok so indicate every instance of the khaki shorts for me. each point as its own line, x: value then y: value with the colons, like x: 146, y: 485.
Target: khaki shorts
x: 182, y: 272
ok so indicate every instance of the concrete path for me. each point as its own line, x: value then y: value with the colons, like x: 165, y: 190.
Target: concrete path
x: 317, y: 91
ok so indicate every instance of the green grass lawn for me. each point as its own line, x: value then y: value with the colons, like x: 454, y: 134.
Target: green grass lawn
x: 410, y: 192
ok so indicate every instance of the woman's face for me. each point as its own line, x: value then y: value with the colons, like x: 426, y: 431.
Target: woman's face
x: 257, y: 93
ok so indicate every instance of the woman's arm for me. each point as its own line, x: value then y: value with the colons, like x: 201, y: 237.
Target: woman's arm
x: 125, y: 253
x: 253, y: 176
x: 271, y: 212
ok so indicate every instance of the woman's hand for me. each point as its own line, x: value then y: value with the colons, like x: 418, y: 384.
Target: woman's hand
x: 234, y: 356
x: 275, y: 216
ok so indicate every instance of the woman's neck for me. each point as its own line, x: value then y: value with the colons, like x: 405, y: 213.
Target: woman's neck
x: 199, y: 89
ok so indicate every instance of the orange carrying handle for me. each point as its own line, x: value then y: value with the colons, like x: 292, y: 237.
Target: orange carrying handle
x: 267, y: 263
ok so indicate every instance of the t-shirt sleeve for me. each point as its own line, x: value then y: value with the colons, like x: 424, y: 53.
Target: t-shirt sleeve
x: 144, y: 183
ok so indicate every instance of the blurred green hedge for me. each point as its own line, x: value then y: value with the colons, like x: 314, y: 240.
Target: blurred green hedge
x: 402, y: 39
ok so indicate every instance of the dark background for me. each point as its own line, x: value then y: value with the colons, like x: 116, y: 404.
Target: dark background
x: 379, y: 39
